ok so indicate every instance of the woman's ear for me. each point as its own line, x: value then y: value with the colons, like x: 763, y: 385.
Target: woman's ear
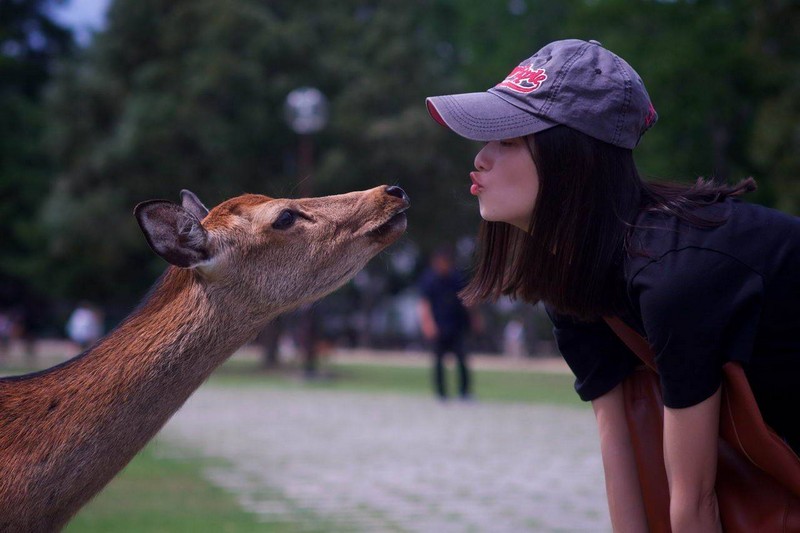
x: 174, y: 233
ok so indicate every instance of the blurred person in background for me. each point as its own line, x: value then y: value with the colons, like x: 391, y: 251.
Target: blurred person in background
x: 444, y: 320
x: 29, y: 325
x: 85, y: 325
x: 514, y: 338
x: 6, y: 327
x: 703, y: 276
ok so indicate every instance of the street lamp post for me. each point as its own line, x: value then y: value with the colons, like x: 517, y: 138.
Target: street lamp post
x: 306, y: 112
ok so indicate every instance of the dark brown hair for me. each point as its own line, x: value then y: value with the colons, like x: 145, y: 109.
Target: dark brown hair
x: 590, y: 193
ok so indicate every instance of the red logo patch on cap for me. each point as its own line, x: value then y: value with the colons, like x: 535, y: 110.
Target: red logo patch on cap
x: 524, y: 79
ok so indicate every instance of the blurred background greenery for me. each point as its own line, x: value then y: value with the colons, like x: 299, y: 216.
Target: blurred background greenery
x: 174, y: 94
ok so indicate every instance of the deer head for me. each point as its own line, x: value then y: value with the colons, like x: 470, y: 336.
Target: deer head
x: 275, y: 254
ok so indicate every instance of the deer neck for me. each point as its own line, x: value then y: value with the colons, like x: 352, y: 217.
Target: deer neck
x: 66, y: 432
x: 181, y: 333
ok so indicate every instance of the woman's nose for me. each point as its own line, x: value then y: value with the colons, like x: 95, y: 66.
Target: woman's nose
x: 481, y: 160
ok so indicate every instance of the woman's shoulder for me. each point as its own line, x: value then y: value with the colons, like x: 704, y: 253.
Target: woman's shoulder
x: 755, y: 236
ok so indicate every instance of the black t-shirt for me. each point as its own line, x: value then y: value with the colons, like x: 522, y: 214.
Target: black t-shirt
x: 702, y: 297
x: 441, y: 291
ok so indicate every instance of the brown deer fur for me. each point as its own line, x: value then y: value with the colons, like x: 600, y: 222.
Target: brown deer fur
x: 65, y: 432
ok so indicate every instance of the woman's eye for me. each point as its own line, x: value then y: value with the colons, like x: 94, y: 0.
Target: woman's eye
x: 507, y: 143
x: 285, y: 219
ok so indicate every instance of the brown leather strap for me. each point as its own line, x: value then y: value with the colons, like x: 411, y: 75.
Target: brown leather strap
x: 741, y: 423
x: 635, y: 342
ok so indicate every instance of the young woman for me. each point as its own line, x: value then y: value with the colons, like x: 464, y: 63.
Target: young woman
x: 703, y: 276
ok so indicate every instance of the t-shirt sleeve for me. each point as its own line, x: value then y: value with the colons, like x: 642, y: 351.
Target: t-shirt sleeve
x: 700, y: 309
x: 594, y: 353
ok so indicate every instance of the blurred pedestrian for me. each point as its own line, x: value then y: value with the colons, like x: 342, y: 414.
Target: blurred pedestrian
x: 85, y: 325
x: 444, y: 319
x: 514, y: 338
x: 28, y: 321
x: 6, y: 328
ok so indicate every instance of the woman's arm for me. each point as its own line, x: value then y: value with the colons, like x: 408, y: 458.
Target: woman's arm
x: 690, y: 453
x: 622, y: 481
x: 426, y: 321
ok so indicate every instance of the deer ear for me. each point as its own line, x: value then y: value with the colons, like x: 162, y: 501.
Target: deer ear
x: 192, y: 203
x: 173, y: 232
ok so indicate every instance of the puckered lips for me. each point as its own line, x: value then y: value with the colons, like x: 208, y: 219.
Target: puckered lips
x: 476, y: 187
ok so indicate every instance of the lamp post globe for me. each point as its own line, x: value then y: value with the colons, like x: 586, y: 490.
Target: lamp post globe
x: 306, y: 110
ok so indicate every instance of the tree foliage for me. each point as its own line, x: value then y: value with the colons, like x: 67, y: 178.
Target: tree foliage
x: 30, y: 42
x: 775, y: 142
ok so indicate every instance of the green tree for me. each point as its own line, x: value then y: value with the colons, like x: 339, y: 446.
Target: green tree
x: 775, y: 143
x: 488, y: 39
x: 30, y: 42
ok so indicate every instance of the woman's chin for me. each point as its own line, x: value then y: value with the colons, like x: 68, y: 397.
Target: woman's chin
x: 489, y: 216
x: 494, y: 217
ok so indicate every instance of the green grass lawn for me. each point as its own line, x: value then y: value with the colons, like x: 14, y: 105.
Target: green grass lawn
x: 167, y: 493
x: 488, y: 385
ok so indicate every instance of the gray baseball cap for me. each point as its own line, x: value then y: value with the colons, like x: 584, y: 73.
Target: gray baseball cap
x: 571, y: 82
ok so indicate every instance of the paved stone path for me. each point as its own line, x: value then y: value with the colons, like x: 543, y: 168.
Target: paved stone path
x: 368, y: 462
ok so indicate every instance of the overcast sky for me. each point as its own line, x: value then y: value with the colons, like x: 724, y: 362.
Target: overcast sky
x: 83, y: 16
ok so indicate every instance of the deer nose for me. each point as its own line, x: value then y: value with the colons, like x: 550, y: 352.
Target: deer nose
x: 397, y: 192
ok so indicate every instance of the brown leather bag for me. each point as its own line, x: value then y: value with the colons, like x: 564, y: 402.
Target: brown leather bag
x: 758, y: 474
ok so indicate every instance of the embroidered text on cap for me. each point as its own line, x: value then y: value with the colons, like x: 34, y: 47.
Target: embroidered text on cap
x: 524, y: 79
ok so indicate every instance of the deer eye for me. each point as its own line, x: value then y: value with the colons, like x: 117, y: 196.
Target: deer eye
x: 285, y: 219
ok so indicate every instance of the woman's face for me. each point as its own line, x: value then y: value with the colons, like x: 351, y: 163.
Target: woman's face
x: 506, y: 182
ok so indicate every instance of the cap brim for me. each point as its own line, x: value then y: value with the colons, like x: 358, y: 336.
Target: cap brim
x: 484, y: 116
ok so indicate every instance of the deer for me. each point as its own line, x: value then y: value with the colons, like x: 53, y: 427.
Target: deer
x: 65, y: 432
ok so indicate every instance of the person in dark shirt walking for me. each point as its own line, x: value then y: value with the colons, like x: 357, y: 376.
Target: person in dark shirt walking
x: 444, y: 319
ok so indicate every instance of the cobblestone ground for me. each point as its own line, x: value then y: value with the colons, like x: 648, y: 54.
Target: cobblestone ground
x: 365, y: 462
